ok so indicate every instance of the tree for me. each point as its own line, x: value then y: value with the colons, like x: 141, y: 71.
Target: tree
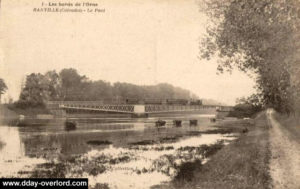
x: 53, y: 81
x: 253, y: 100
x: 71, y: 84
x: 257, y: 36
x: 3, y: 88
x: 35, y: 92
x: 98, y: 90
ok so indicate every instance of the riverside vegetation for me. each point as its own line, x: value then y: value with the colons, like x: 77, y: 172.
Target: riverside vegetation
x: 244, y: 163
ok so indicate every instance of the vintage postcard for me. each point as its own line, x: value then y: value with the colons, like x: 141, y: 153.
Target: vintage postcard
x: 149, y: 94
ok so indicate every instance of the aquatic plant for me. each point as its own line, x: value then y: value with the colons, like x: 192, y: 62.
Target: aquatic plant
x: 98, y: 142
x: 143, y: 142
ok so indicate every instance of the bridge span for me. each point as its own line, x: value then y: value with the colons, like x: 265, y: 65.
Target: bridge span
x: 137, y: 109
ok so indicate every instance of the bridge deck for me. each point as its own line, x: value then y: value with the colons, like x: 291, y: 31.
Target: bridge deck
x: 133, y: 109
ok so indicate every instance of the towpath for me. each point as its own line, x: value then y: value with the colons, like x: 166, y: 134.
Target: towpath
x: 285, y: 155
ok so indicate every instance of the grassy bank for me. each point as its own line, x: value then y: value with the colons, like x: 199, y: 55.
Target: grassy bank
x: 291, y: 123
x: 6, y: 112
x: 241, y: 164
x: 10, y: 115
x: 29, y: 111
x: 12, y: 111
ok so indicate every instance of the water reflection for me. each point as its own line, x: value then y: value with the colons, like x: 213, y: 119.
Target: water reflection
x: 50, y: 141
x: 12, y: 154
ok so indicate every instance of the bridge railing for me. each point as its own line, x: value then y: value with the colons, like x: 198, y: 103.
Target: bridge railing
x: 109, y: 108
x: 174, y: 108
x: 100, y: 102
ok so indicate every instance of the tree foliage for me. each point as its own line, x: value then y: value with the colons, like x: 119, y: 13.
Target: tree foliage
x: 247, y: 107
x: 3, y: 87
x: 258, y: 36
x: 35, y: 91
x: 253, y: 100
x: 68, y: 85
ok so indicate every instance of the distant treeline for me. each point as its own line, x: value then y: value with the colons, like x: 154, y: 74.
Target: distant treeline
x: 68, y: 85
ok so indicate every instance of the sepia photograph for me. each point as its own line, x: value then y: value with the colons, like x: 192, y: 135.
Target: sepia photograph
x: 150, y: 94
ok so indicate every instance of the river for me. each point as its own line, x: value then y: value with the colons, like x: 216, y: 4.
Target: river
x: 114, y: 152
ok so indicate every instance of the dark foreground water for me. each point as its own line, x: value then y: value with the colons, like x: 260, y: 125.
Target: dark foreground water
x: 118, y: 153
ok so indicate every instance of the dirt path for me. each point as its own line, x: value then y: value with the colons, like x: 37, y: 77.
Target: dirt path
x: 285, y: 156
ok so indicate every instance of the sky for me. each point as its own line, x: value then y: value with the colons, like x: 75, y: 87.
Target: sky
x: 143, y: 42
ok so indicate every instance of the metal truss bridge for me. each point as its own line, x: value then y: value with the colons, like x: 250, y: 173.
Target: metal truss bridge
x: 131, y: 108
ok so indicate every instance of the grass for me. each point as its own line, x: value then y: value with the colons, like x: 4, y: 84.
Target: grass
x: 186, y: 172
x: 29, y: 111
x: 100, y: 186
x: 291, y: 123
x: 241, y: 164
x: 7, y: 113
x: 228, y: 127
x: 49, y: 170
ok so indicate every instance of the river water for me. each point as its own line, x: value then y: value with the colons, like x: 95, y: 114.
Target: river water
x: 116, y: 152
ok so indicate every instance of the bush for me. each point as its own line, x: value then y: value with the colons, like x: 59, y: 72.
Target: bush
x: 244, y: 110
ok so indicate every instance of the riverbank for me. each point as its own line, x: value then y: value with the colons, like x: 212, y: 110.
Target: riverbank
x: 241, y: 164
x: 7, y: 113
x: 10, y: 112
x: 14, y: 116
x: 29, y: 111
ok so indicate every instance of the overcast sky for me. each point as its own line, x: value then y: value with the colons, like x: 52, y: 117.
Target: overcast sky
x: 137, y: 41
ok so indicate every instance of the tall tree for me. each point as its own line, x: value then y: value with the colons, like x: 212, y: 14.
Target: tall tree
x: 53, y: 81
x: 257, y: 36
x: 35, y: 92
x: 71, y: 83
x: 3, y: 88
